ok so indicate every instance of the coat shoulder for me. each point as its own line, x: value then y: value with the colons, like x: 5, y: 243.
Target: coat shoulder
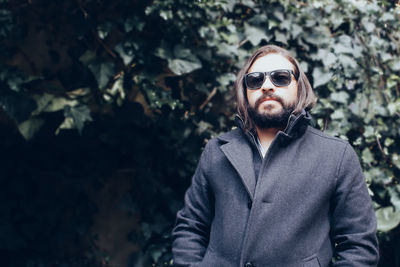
x: 235, y: 133
x: 223, y: 138
x: 326, y: 141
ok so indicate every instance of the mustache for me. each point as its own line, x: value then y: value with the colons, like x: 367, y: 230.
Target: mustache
x: 268, y: 96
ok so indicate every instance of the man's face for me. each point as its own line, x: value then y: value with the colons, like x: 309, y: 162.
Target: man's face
x: 271, y: 105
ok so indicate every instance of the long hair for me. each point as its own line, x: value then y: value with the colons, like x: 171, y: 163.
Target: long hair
x: 305, y: 95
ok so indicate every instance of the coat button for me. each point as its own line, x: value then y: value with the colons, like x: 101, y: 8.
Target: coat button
x: 249, y: 206
x: 248, y: 264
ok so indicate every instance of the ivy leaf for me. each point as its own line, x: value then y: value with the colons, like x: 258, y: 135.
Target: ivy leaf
x: 387, y: 16
x: 367, y: 156
x: 257, y: 19
x: 42, y: 101
x: 163, y: 51
x: 184, y: 62
x: 126, y: 56
x: 395, y: 65
x: 326, y: 57
x: 348, y: 62
x: 166, y: 14
x: 227, y: 6
x: 29, y: 127
x: 102, y: 72
x: 226, y: 79
x: 248, y: 3
x: 156, y: 254
x: 182, y: 66
x: 6, y: 22
x: 387, y: 219
x: 321, y: 78
x: 344, y: 45
x: 337, y: 20
x: 254, y: 34
x: 104, y: 29
x: 395, y: 197
x: 368, y: 25
x: 296, y: 30
x: 18, y: 106
x: 88, y: 57
x: 53, y: 104
x: 279, y: 15
x: 338, y: 114
x: 203, y: 126
x: 227, y: 50
x: 79, y: 115
x: 280, y: 37
x: 396, y: 160
x: 340, y: 97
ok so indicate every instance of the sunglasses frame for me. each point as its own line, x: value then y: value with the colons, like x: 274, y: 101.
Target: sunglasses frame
x: 266, y: 74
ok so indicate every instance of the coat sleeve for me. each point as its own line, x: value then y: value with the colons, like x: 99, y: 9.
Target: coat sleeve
x: 192, y: 229
x: 353, y: 218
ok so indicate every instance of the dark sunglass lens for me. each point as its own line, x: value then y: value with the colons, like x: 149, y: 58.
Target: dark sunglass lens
x: 281, y: 78
x: 254, y: 80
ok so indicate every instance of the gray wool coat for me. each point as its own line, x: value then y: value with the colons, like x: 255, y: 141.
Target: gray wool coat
x: 308, y: 206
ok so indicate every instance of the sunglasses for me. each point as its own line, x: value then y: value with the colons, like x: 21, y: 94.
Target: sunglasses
x: 255, y: 80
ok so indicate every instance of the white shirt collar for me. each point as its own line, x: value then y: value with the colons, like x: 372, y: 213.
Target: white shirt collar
x: 261, y: 148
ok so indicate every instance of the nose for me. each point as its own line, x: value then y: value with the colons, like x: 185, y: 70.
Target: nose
x: 268, y: 85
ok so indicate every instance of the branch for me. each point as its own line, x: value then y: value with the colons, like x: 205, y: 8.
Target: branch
x: 85, y: 14
x: 325, y: 123
x: 398, y: 89
x: 380, y: 146
x: 209, y: 97
x: 243, y: 42
x: 108, y: 50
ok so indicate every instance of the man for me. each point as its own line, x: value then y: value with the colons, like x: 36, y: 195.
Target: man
x: 275, y: 191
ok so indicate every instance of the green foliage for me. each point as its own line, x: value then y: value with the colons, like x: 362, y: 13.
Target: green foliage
x: 151, y: 82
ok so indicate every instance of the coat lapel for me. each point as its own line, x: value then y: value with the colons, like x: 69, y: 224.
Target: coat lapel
x: 240, y: 155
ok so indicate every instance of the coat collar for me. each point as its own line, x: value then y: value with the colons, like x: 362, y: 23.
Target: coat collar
x: 297, y: 123
x: 238, y: 151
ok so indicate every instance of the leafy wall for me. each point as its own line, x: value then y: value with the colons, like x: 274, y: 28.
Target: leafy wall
x: 105, y: 106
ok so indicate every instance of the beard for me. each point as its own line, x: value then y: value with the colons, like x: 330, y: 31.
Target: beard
x: 267, y: 118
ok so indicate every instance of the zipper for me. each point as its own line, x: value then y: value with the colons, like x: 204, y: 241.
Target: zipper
x: 287, y: 124
x: 258, y: 149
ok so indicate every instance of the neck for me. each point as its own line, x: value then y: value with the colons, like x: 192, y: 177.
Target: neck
x: 266, y: 135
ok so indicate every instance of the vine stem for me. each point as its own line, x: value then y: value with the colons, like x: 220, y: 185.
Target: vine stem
x: 209, y: 97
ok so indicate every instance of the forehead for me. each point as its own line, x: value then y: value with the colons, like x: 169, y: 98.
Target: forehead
x: 271, y: 62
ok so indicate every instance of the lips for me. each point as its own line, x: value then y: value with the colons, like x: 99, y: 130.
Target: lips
x: 269, y: 99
